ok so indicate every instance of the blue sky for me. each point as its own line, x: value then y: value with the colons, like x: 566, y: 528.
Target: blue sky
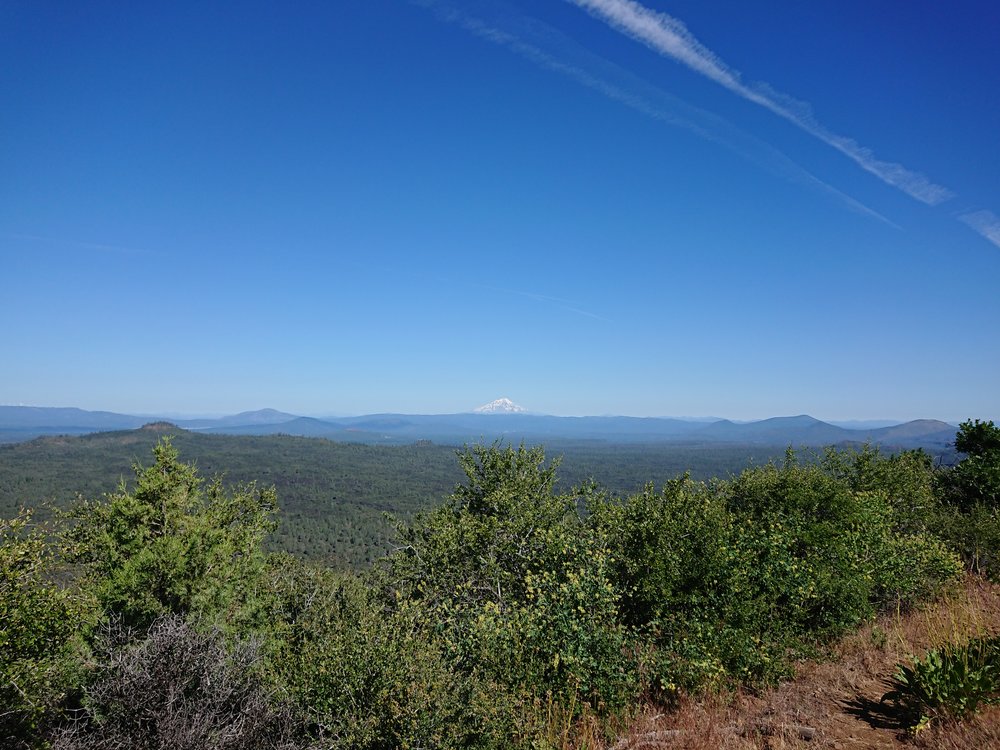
x: 588, y: 206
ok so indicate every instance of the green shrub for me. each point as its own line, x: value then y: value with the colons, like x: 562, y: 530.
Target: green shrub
x: 975, y: 534
x: 667, y: 548
x: 907, y: 480
x: 798, y: 550
x: 503, y: 523
x: 565, y: 638
x: 976, y: 478
x: 914, y: 568
x: 38, y: 622
x: 172, y: 546
x: 969, y: 516
x: 519, y: 590
x: 949, y: 682
x: 359, y: 675
x: 830, y: 553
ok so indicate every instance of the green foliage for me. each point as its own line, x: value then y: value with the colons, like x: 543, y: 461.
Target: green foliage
x: 171, y: 546
x: 975, y: 534
x: 813, y: 549
x: 793, y: 550
x: 564, y: 638
x: 38, y: 620
x: 969, y: 518
x: 512, y: 605
x: 949, y: 682
x: 906, y: 479
x: 974, y: 481
x: 667, y: 547
x: 727, y: 580
x: 977, y: 438
x: 359, y: 675
x: 842, y: 553
x: 976, y: 478
x: 502, y: 524
x: 334, y: 496
x: 516, y: 587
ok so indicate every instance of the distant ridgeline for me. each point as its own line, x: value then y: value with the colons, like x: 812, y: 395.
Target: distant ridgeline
x: 501, y: 419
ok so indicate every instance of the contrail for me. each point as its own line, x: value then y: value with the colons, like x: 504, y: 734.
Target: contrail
x: 652, y: 102
x: 986, y: 223
x: 557, y: 301
x: 94, y: 246
x: 670, y: 37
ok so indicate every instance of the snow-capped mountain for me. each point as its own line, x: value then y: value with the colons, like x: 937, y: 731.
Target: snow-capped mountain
x: 500, y: 406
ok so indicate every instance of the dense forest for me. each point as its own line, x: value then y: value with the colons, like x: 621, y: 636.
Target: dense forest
x: 333, y: 496
x: 519, y: 608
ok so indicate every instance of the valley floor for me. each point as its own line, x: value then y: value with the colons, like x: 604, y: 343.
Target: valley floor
x: 836, y: 703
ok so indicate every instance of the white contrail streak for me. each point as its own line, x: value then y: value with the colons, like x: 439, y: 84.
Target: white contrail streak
x: 671, y: 38
x: 986, y: 223
x: 598, y: 74
x: 91, y: 246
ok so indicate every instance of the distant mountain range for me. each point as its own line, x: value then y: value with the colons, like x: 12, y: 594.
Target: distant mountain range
x: 499, y: 420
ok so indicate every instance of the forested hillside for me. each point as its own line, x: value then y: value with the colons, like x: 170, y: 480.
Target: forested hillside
x: 333, y: 496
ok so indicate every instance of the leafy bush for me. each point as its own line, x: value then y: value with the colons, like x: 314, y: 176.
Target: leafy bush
x: 361, y: 676
x: 975, y: 534
x: 975, y: 480
x: 729, y: 580
x: 667, y: 548
x: 503, y: 616
x: 913, y: 568
x: 38, y: 621
x: 907, y: 480
x: 827, y: 553
x: 518, y: 590
x: 503, y: 523
x: 970, y: 491
x: 176, y: 688
x: 671, y: 552
x: 564, y: 638
x: 949, y: 682
x: 172, y: 547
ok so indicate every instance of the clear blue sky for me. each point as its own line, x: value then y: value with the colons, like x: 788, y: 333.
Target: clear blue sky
x: 680, y: 208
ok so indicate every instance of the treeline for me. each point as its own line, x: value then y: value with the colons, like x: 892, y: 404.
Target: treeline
x: 333, y: 495
x: 505, y: 617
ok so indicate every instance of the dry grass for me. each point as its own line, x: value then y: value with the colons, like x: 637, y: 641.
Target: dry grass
x: 833, y: 703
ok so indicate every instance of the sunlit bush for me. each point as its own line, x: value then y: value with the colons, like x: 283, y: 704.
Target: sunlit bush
x: 38, y: 623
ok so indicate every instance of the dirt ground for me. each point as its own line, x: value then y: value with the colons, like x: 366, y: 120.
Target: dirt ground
x: 836, y: 703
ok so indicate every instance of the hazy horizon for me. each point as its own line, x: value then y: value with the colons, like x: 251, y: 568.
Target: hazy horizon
x: 191, y: 415
x: 592, y: 206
